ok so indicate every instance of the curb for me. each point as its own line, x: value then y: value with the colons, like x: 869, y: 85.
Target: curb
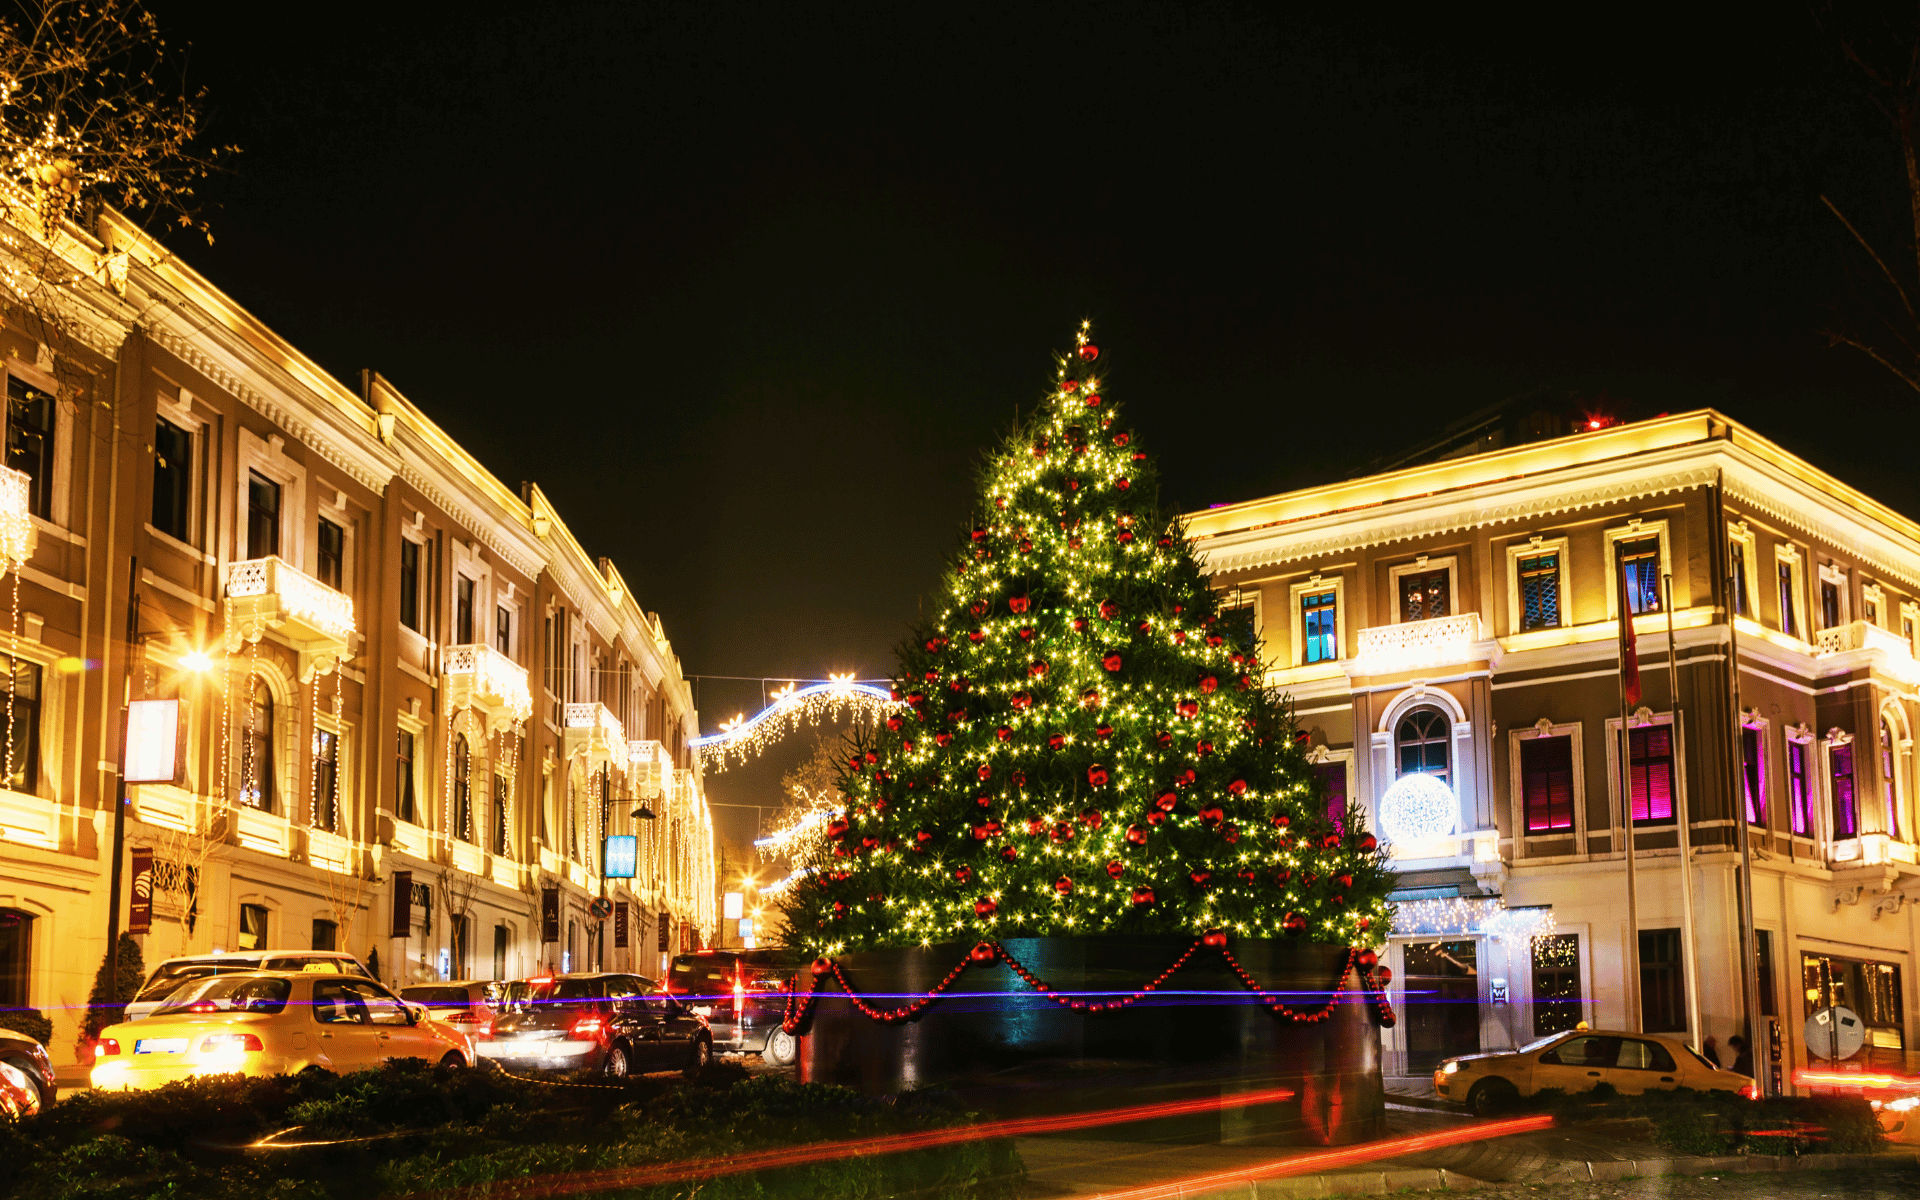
x: 1380, y: 1183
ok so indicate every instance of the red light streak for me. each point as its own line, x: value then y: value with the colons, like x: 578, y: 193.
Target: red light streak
x: 791, y: 1156
x: 1852, y: 1079
x: 1173, y: 1189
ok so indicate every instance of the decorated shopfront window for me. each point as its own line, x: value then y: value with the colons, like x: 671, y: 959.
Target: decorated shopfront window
x: 1556, y: 983
x: 1871, y: 991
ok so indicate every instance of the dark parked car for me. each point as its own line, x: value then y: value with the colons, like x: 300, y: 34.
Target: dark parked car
x: 29, y: 1059
x: 743, y: 996
x: 614, y: 1024
x: 466, y: 1004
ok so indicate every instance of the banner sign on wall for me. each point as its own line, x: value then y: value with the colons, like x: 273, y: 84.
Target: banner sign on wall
x: 550, y: 914
x: 402, y: 924
x: 140, y: 914
x: 620, y: 925
x: 663, y: 933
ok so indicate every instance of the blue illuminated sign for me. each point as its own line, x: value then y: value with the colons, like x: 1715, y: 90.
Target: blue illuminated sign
x: 621, y: 853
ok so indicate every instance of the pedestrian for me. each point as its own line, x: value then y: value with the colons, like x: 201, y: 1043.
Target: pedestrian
x: 1710, y: 1050
x: 1742, y: 1057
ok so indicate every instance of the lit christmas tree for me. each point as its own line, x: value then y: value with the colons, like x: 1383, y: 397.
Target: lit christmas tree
x: 1082, y: 747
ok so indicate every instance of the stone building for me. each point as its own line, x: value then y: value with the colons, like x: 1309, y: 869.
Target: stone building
x: 1449, y: 632
x: 411, y: 704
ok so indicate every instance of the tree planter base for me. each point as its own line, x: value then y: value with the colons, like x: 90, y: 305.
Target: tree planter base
x: 1010, y: 1051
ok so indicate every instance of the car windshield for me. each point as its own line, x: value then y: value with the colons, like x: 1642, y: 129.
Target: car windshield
x: 437, y: 997
x: 230, y: 993
x: 526, y: 995
x: 1540, y: 1043
x: 172, y: 975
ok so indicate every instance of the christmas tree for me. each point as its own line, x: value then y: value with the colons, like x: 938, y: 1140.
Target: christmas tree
x: 1082, y: 747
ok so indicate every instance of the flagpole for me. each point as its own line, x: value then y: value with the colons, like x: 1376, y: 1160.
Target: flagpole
x: 1633, y: 1021
x: 1682, y: 818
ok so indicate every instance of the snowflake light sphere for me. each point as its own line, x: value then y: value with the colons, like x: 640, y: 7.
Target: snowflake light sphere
x: 1418, y: 808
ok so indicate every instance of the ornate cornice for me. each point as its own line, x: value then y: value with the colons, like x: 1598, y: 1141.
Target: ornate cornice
x: 1779, y: 500
x: 415, y: 478
x: 1340, y: 533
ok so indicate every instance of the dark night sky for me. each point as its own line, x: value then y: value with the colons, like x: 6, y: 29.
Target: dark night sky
x: 748, y: 290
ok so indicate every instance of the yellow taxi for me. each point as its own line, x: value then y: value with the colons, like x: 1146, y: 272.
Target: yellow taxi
x: 272, y: 1023
x: 1577, y: 1061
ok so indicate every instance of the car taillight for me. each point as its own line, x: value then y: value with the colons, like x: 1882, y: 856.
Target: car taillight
x: 199, y: 1006
x: 482, y: 1029
x: 1751, y: 1091
x: 214, y: 1043
x: 585, y: 1028
x: 739, y: 997
x: 106, y: 1046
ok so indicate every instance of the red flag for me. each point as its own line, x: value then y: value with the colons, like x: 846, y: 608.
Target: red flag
x: 1629, y: 658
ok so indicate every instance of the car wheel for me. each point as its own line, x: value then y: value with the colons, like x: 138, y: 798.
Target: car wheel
x: 782, y: 1048
x: 702, y: 1055
x: 31, y: 1099
x: 454, y: 1062
x: 616, y: 1065
x: 1491, y: 1096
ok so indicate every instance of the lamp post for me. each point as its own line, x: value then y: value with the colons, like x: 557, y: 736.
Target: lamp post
x: 120, y: 799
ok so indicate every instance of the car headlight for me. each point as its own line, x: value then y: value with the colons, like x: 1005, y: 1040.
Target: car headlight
x: 1450, y: 1068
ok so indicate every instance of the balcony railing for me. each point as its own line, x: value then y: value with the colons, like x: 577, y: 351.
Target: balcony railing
x: 1860, y: 635
x: 593, y: 731
x: 1411, y: 645
x: 268, y: 594
x: 480, y: 677
x: 647, y: 768
x: 16, y: 523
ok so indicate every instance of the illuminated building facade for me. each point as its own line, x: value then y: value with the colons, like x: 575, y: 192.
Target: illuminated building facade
x: 412, y: 704
x: 1455, y: 623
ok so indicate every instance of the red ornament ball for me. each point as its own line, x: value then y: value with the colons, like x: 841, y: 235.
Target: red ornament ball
x: 1055, y: 741
x: 1092, y: 818
x: 1166, y: 801
x: 1018, y: 604
x: 1009, y: 852
x: 1021, y: 701
x: 1113, y: 662
x: 985, y: 772
x: 1208, y: 683
x: 1003, y: 733
x: 1365, y: 959
x: 1121, y: 438
x: 1282, y: 821
x: 1200, y: 879
x: 1142, y: 897
x: 1088, y: 352
x: 1097, y: 775
x: 822, y: 968
x: 1093, y: 399
x: 1136, y: 835
x: 1062, y: 832
x: 1383, y: 975
x: 1189, y: 709
x: 985, y: 906
x: 1123, y: 483
x: 1063, y: 885
x: 1116, y: 868
x: 1368, y: 842
x: 1215, y: 937
x: 983, y: 953
x: 1069, y: 385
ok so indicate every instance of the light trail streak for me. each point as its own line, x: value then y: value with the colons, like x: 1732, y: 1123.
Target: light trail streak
x: 578, y: 1183
x: 1852, y: 1079
x: 1173, y: 1189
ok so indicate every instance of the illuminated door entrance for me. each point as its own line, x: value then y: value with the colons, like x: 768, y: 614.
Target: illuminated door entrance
x: 1443, y: 1003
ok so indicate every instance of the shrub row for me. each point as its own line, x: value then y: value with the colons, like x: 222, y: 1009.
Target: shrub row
x: 429, y: 1129
x: 1714, y: 1123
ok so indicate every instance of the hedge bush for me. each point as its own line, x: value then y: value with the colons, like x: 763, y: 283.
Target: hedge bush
x: 430, y: 1128
x: 30, y: 1021
x: 1714, y: 1123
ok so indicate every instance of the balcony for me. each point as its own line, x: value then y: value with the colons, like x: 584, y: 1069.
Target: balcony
x: 647, y: 769
x: 480, y: 678
x: 594, y: 733
x: 1882, y: 649
x: 267, y: 595
x: 1414, y: 645
x: 16, y: 526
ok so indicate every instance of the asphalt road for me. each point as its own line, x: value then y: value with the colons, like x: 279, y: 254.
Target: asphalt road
x: 1881, y: 1183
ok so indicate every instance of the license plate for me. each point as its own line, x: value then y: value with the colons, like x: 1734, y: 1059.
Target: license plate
x: 160, y: 1046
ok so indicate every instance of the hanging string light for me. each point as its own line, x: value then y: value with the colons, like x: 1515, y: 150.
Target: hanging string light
x: 788, y: 710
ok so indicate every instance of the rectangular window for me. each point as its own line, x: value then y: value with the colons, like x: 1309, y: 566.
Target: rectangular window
x: 1334, y: 776
x: 462, y: 789
x: 1556, y: 983
x: 1540, y: 592
x: 462, y: 611
x: 1845, y: 823
x: 20, y: 721
x: 503, y: 630
x: 1753, y: 775
x: 1425, y: 595
x: 1763, y: 953
x: 1546, y: 783
x: 1800, y: 810
x: 499, y: 814
x: 410, y: 584
x: 1236, y: 625
x: 1872, y: 991
x: 1829, y: 604
x: 253, y: 927
x: 326, y: 779
x: 1742, y: 605
x: 1650, y: 773
x: 30, y: 442
x: 330, y: 559
x: 1789, y: 618
x: 257, y: 751
x: 172, y: 478
x: 1870, y: 612
x: 1663, y: 1007
x: 403, y: 778
x: 1319, y: 626
x: 1639, y: 561
x: 263, y: 516
x: 1906, y: 631
x: 499, y: 951
x: 325, y: 934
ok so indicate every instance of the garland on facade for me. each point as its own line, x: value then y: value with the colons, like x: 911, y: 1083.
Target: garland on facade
x: 1373, y: 980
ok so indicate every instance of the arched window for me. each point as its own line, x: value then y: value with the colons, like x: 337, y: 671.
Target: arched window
x: 1890, y: 763
x: 256, y: 749
x: 1424, y: 741
x: 462, y: 789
